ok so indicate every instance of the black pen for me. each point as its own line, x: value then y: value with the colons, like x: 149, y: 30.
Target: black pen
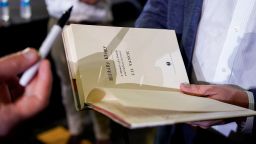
x: 46, y: 46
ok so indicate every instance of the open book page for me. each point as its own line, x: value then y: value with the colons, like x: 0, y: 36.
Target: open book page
x: 159, y: 100
x: 138, y: 117
x: 119, y: 57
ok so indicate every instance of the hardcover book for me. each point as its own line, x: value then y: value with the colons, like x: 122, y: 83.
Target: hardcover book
x: 132, y: 75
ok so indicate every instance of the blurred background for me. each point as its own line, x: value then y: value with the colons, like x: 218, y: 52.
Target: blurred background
x: 24, y: 26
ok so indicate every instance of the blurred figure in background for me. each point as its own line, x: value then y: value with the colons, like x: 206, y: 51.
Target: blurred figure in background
x: 93, y: 12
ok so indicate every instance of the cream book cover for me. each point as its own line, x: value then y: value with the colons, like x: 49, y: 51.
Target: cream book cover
x: 132, y: 75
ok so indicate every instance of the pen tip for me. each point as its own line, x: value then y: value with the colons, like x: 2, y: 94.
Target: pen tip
x: 65, y: 17
x: 70, y: 9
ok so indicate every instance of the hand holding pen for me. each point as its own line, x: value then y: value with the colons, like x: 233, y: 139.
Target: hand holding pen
x: 46, y: 47
x: 19, y: 103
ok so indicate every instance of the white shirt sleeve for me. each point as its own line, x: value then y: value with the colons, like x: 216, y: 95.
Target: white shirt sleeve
x: 248, y: 124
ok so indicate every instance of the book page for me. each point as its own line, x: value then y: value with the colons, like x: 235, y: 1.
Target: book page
x: 138, y: 118
x: 68, y: 41
x: 69, y: 46
x: 159, y: 100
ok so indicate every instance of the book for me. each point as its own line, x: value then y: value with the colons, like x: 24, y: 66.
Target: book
x: 132, y: 75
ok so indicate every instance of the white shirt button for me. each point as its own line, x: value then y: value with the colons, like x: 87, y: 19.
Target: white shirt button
x: 224, y: 70
x: 236, y: 29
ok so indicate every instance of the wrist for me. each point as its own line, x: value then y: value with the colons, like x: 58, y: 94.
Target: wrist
x: 242, y: 99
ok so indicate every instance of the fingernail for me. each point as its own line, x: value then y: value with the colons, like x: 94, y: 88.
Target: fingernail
x: 29, y: 54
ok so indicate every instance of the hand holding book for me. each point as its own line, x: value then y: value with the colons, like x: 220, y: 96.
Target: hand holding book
x: 225, y: 93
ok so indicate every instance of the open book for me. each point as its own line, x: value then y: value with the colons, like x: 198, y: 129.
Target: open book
x: 132, y: 75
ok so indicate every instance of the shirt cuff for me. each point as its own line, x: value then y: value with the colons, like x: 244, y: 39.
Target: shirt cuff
x: 251, y: 100
x: 246, y: 127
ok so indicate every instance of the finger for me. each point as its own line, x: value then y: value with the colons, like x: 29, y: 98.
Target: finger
x: 202, y: 127
x: 43, y: 80
x: 10, y: 90
x: 8, y: 118
x: 27, y: 106
x: 197, y: 90
x: 204, y: 124
x: 16, y: 90
x: 207, y: 124
x: 5, y: 96
x: 37, y: 93
x: 192, y: 124
x: 16, y: 63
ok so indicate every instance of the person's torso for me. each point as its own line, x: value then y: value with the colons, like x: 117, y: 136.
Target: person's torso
x: 226, y: 43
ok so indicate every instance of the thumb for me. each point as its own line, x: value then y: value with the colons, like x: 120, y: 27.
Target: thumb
x: 16, y: 63
x: 197, y: 90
